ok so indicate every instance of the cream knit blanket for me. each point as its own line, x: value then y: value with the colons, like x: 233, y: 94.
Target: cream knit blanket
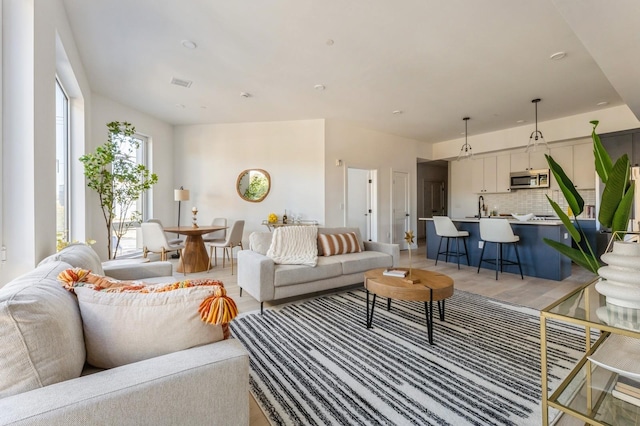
x: 294, y: 245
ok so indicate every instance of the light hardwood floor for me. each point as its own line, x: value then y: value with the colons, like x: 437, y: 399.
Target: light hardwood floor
x: 532, y: 292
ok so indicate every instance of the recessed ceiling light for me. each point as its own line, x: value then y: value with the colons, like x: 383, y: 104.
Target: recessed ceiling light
x: 603, y: 103
x: 319, y: 87
x: 398, y: 111
x: 330, y: 42
x: 520, y: 121
x: 245, y: 94
x: 557, y: 56
x: 189, y: 44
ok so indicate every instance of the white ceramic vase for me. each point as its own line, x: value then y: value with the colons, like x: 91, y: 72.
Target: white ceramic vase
x: 620, y: 279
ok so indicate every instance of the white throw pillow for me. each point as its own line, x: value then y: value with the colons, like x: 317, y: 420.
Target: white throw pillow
x: 121, y: 328
x: 41, y: 339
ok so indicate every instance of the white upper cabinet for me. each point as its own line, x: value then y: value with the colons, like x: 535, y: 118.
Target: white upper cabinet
x: 503, y: 170
x: 521, y: 161
x: 584, y: 173
x: 490, y: 174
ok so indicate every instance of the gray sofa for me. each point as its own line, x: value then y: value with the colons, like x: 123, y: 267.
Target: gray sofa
x: 44, y: 379
x: 265, y: 280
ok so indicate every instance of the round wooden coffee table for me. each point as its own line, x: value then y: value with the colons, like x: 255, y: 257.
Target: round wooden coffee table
x: 433, y: 287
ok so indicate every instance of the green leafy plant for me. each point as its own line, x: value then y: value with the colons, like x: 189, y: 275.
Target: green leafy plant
x: 258, y: 186
x: 615, y: 207
x: 113, y: 172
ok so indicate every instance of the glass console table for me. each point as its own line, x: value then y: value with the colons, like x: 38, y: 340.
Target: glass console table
x: 584, y: 396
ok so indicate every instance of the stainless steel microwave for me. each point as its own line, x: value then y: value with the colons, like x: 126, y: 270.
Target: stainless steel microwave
x: 530, y: 179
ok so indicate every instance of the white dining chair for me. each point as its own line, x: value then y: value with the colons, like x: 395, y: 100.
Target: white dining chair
x: 498, y: 231
x: 233, y: 239
x: 154, y: 240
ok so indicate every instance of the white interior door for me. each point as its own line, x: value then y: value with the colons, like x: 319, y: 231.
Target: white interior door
x: 358, y: 200
x: 400, y: 208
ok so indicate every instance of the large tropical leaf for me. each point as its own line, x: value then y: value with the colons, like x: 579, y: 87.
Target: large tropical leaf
x: 621, y: 217
x: 602, y: 159
x: 574, y: 199
x: 581, y: 258
x: 565, y: 221
x: 614, y: 191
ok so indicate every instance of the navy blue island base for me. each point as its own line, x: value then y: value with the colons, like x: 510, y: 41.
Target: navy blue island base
x: 536, y: 257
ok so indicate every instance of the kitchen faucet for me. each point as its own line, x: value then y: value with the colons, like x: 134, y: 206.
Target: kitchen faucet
x: 480, y: 206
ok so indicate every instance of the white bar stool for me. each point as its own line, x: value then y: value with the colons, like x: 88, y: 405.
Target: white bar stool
x: 498, y: 231
x: 446, y: 229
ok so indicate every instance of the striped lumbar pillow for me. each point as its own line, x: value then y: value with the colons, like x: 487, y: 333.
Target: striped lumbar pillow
x: 339, y: 243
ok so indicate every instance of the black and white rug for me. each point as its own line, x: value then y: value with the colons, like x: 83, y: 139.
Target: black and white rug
x: 315, y: 363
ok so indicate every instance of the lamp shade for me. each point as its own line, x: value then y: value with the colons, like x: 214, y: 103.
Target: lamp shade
x: 181, y: 194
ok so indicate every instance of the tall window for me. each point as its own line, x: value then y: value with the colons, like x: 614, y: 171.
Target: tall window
x: 132, y: 239
x: 62, y: 164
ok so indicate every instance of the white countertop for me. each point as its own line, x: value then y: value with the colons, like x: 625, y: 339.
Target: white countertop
x: 552, y: 222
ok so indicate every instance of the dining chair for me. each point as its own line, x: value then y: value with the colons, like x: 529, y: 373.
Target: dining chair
x: 233, y: 239
x: 154, y: 240
x: 446, y: 229
x: 498, y: 231
x: 171, y: 240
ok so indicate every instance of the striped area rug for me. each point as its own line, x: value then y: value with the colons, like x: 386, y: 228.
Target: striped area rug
x: 315, y: 363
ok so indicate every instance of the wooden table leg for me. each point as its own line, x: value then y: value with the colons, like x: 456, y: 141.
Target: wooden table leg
x: 195, y: 257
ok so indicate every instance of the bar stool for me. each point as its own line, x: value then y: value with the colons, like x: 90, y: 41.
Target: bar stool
x: 498, y: 231
x: 446, y: 229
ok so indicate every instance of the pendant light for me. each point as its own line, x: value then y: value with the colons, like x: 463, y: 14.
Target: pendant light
x: 536, y: 139
x: 465, y: 150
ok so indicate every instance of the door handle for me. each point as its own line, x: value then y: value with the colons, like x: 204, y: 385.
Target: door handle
x: 406, y: 214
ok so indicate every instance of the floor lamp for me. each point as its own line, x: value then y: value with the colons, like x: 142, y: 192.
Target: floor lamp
x: 180, y: 195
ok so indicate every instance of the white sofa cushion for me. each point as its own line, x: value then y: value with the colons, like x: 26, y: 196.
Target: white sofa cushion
x: 327, y: 267
x: 41, y: 331
x: 78, y: 255
x: 121, y: 328
x: 364, y: 261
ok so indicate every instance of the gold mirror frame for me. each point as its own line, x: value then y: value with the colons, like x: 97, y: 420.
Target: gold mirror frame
x: 244, y: 181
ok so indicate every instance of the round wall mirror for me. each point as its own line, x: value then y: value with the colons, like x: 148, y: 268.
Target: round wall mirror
x: 253, y: 185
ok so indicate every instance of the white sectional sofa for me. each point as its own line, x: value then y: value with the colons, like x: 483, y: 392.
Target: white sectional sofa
x: 44, y: 379
x: 265, y: 280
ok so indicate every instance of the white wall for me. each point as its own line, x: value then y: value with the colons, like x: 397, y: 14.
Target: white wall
x: 209, y: 158
x: 160, y: 134
x: 368, y: 149
x: 28, y: 185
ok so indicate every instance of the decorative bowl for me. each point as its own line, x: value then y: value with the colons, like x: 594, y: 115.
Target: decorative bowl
x: 523, y: 217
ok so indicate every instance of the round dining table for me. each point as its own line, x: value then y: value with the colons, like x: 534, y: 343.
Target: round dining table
x: 194, y: 257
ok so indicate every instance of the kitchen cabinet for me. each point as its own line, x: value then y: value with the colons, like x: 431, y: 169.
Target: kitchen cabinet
x: 483, y: 175
x: 490, y: 174
x: 503, y: 170
x: 528, y: 160
x: 584, y: 173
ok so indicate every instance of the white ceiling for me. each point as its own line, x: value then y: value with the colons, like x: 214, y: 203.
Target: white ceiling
x: 437, y: 61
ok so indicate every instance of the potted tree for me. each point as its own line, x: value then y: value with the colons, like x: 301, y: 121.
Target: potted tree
x: 615, y: 207
x: 113, y: 172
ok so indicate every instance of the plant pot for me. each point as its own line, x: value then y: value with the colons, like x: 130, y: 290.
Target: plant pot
x: 620, y: 279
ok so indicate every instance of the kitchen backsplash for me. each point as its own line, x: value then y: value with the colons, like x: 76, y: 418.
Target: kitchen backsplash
x: 534, y: 201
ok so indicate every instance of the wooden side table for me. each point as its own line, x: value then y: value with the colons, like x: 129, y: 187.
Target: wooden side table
x: 433, y: 287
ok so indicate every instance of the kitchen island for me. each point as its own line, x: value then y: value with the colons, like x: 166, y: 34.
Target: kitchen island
x: 536, y: 257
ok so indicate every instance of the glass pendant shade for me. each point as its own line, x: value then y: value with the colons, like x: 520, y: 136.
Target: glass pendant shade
x: 536, y: 140
x: 466, y: 151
